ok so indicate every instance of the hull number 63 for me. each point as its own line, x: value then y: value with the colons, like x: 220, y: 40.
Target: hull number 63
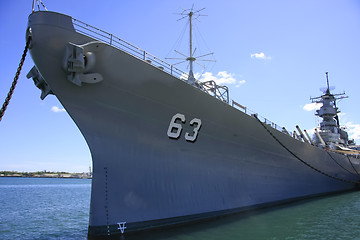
x: 176, y: 126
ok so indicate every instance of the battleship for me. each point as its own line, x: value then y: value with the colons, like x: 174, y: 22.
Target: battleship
x: 168, y: 149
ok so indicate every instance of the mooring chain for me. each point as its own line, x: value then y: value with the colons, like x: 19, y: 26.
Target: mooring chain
x: 304, y: 162
x: 352, y: 165
x: 7, y: 99
x: 340, y: 164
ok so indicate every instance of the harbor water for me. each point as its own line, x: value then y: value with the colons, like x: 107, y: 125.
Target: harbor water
x: 52, y: 208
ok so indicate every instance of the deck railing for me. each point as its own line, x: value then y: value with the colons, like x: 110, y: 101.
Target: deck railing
x: 116, y: 42
x: 261, y: 118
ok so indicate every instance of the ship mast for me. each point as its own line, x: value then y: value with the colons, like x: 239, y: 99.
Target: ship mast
x: 191, y: 59
x: 190, y: 14
x: 330, y: 126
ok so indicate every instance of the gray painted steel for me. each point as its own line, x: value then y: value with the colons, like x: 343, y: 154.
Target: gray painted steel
x: 146, y: 179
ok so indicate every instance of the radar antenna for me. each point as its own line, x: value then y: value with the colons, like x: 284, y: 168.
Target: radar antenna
x: 337, y: 96
x: 190, y: 13
x: 327, y: 81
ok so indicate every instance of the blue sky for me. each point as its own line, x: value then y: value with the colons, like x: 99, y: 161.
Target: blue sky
x: 273, y: 56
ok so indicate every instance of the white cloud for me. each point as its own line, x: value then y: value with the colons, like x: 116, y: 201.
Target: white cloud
x: 353, y: 130
x: 311, y: 131
x: 260, y: 55
x: 184, y: 76
x: 239, y: 83
x: 312, y: 106
x: 221, y: 78
x: 56, y: 109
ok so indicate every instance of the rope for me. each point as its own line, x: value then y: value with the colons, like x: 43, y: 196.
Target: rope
x: 307, y: 164
x: 7, y: 99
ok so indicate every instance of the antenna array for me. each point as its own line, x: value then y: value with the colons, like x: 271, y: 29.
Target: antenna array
x: 191, y: 14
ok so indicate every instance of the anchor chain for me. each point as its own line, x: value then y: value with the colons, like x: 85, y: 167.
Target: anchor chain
x: 303, y: 161
x: 352, y: 165
x: 340, y: 164
x: 7, y: 99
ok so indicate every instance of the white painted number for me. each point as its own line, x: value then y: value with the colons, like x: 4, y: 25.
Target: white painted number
x: 175, y: 128
x: 195, y: 130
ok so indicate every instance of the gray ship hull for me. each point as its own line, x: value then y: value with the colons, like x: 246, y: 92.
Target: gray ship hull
x: 144, y: 179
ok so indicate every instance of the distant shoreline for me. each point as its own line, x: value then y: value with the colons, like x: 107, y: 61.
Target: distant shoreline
x: 46, y: 174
